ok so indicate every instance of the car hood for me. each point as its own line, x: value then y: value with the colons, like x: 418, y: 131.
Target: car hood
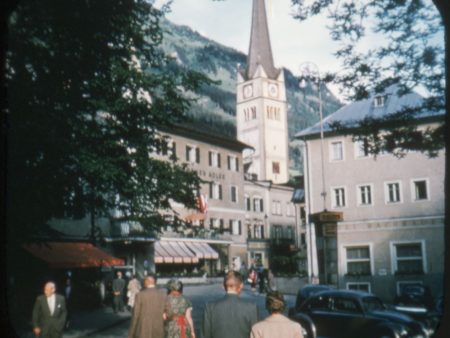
x: 391, y: 315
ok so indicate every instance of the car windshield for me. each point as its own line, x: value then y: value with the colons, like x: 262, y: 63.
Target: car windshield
x: 372, y: 304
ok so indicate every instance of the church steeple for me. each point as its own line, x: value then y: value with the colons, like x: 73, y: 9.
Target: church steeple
x: 260, y: 51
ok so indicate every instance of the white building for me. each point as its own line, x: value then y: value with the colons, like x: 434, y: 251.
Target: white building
x: 261, y: 110
x: 393, y: 208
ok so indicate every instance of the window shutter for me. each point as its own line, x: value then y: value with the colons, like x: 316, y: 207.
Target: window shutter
x: 254, y: 204
x: 230, y: 222
x: 218, y: 160
x: 262, y: 231
x: 210, y: 190
x: 261, y: 205
x: 187, y: 152
x: 197, y: 155
x: 210, y: 158
x: 237, y: 164
x: 220, y: 191
x: 240, y: 227
x: 174, y: 151
x: 228, y: 162
x: 221, y: 224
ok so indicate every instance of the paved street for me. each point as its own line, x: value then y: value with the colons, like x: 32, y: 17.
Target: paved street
x: 117, y: 325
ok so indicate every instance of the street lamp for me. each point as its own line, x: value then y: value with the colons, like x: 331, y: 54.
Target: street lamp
x: 309, y: 72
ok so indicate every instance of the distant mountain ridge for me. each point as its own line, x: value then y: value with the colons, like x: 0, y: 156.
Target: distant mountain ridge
x: 215, y: 108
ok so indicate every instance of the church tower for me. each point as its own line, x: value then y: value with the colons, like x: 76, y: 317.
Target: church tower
x: 261, y: 105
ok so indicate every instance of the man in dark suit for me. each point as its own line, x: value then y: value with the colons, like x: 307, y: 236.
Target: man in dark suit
x: 147, y: 320
x: 230, y: 316
x: 49, y: 313
x: 118, y: 287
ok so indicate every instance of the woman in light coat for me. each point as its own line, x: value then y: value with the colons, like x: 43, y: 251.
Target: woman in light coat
x: 134, y: 286
x: 276, y: 325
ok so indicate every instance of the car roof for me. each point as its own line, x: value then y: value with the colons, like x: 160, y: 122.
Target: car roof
x: 346, y: 293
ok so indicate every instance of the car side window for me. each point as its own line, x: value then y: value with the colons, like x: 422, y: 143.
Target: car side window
x: 319, y: 303
x: 345, y: 305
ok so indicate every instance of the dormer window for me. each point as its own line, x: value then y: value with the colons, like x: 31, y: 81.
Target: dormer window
x: 379, y: 101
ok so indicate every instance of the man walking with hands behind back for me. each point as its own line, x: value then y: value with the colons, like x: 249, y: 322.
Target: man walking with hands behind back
x: 118, y: 286
x: 147, y: 320
x: 49, y: 313
x: 230, y: 316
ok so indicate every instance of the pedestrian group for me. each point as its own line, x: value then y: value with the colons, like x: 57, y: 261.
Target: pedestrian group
x: 159, y: 314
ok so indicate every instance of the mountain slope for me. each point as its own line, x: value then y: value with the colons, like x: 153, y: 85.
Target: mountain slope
x: 215, y: 107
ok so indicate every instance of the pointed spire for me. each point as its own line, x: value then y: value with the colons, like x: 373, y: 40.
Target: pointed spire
x: 260, y: 51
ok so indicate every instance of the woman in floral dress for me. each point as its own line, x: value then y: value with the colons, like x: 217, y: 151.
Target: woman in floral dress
x: 178, y: 312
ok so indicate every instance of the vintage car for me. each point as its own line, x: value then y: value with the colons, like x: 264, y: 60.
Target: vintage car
x: 307, y: 291
x: 355, y: 314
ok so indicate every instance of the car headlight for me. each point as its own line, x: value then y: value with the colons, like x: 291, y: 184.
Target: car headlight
x: 305, y: 333
x: 403, y: 332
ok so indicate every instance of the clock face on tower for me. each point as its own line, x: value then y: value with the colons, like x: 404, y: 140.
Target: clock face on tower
x: 248, y: 91
x: 273, y: 89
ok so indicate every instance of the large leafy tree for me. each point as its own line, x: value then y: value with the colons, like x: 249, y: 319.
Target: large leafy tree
x: 406, y: 49
x: 88, y: 88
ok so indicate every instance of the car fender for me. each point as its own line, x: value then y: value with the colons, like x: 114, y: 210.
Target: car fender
x: 385, y: 326
x: 306, y: 322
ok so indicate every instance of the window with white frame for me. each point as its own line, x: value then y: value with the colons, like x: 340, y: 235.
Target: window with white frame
x: 235, y: 227
x: 214, y: 159
x: 277, y: 232
x: 336, y: 151
x: 258, y: 231
x: 361, y: 149
x: 358, y: 260
x: 258, y: 204
x: 234, y: 193
x: 365, y: 194
x: 408, y: 258
x: 359, y: 286
x: 215, y: 190
x: 393, y: 192
x: 214, y: 223
x: 338, y: 196
x: 290, y: 209
x: 420, y: 190
x: 276, y: 208
x: 192, y: 154
x: 378, y: 101
x: 233, y: 163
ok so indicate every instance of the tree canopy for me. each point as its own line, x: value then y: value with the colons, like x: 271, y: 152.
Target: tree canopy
x: 407, y: 50
x: 88, y: 88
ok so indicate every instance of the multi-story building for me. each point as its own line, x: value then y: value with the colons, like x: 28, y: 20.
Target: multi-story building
x: 219, y: 220
x: 392, y: 208
x: 270, y: 221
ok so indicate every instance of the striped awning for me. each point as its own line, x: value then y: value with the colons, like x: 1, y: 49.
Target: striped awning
x: 173, y: 252
x: 202, y: 250
x: 182, y: 252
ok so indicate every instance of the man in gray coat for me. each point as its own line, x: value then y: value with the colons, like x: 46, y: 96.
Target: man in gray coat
x: 49, y: 313
x: 147, y: 319
x: 230, y: 316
